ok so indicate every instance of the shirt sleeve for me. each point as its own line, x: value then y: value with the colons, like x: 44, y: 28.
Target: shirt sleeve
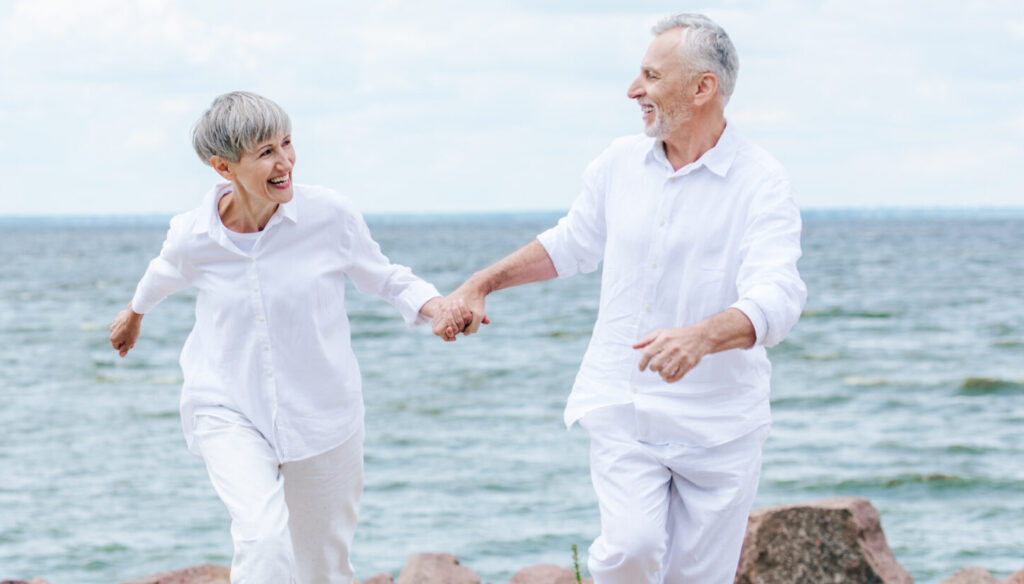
x: 372, y: 273
x: 771, y: 292
x: 167, y: 273
x: 576, y: 243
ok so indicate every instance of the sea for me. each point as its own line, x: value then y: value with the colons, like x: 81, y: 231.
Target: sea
x: 903, y: 383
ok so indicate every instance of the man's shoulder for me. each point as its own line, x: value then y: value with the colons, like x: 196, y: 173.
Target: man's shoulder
x: 753, y: 158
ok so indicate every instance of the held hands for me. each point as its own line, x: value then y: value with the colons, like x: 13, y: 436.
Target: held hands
x: 125, y: 330
x: 461, y: 311
x: 673, y: 352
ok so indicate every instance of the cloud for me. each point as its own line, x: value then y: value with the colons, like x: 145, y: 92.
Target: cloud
x: 753, y: 117
x: 1016, y: 28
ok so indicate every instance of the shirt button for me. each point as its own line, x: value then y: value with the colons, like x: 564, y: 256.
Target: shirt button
x: 260, y: 318
x: 270, y: 373
x: 672, y: 179
x: 647, y: 308
x: 634, y: 390
x: 654, y: 264
x: 266, y: 347
x: 662, y: 222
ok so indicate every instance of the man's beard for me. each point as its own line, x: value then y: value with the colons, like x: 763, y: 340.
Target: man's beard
x: 665, y: 123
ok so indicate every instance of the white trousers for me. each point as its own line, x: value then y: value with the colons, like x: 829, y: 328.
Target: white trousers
x: 670, y: 513
x: 290, y: 523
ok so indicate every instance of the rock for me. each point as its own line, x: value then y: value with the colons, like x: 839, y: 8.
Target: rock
x: 32, y: 581
x: 971, y: 575
x: 204, y: 574
x: 546, y: 574
x: 1015, y: 578
x: 838, y: 540
x: 380, y: 579
x: 436, y: 569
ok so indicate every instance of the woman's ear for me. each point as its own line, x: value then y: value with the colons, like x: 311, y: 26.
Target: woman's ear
x: 222, y: 166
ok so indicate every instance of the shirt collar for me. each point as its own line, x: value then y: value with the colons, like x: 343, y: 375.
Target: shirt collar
x: 718, y: 159
x: 210, y: 219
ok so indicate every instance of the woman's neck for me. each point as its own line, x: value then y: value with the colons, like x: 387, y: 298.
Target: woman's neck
x: 244, y: 214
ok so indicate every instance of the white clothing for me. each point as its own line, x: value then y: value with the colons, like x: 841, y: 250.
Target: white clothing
x: 271, y: 342
x: 670, y: 513
x: 292, y: 522
x: 243, y: 241
x: 679, y: 247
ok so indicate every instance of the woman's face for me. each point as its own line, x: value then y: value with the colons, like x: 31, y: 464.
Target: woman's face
x: 266, y: 171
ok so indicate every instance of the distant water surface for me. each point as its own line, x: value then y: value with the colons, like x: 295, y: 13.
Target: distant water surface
x: 903, y: 383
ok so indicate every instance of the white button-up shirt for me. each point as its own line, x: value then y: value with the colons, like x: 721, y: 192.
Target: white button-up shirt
x: 271, y: 342
x: 679, y: 247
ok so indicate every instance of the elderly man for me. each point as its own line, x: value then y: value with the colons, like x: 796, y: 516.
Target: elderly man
x: 700, y: 237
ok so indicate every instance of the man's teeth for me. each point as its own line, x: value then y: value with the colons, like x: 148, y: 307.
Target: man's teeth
x: 279, y: 180
x: 647, y: 108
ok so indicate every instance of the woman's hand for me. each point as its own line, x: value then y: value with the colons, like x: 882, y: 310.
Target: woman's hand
x: 125, y: 330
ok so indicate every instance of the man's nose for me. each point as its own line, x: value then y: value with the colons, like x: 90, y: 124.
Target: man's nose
x: 634, y: 90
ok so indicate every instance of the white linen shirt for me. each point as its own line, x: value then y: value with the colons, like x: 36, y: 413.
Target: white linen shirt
x: 679, y: 247
x: 271, y: 343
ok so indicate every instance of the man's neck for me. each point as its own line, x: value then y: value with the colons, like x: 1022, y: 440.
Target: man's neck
x: 692, y: 139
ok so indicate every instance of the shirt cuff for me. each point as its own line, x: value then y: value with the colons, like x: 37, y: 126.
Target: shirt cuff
x: 756, y: 316
x: 412, y: 300
x: 564, y: 264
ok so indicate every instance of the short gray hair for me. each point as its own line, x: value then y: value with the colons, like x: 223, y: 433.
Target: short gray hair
x: 706, y: 47
x: 236, y: 123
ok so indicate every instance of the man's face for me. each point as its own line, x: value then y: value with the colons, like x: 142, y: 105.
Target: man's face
x: 660, y: 89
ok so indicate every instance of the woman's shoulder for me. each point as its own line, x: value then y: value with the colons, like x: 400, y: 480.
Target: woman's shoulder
x: 323, y: 202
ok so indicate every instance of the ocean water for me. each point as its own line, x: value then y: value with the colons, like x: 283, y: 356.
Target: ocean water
x: 903, y: 383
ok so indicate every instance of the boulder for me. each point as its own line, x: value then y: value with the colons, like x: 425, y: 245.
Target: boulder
x: 837, y: 540
x: 971, y: 575
x: 32, y: 581
x: 204, y: 574
x: 546, y: 574
x: 1015, y: 578
x: 379, y: 579
x: 436, y: 569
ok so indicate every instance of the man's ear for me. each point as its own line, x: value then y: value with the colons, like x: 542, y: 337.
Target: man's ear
x: 706, y: 88
x: 222, y: 166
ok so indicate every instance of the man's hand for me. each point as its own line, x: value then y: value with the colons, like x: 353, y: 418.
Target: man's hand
x: 125, y: 330
x: 673, y: 352
x: 461, y: 311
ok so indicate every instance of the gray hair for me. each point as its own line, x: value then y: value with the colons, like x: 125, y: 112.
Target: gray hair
x: 236, y: 123
x: 705, y: 47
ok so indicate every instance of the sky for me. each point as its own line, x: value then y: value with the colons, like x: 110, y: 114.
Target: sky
x: 474, y: 106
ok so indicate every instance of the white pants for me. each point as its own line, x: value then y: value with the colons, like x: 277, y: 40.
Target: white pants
x: 292, y: 522
x: 670, y: 513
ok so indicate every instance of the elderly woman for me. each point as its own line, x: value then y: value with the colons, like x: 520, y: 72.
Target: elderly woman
x: 272, y: 399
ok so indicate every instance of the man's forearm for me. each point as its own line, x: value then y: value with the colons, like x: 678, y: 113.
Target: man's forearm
x: 729, y: 329
x: 530, y: 263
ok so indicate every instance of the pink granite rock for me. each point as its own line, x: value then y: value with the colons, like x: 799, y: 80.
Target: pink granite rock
x: 546, y: 574
x: 32, y: 581
x: 836, y: 540
x: 380, y: 579
x: 1015, y: 578
x: 436, y: 569
x: 971, y: 575
x: 204, y: 574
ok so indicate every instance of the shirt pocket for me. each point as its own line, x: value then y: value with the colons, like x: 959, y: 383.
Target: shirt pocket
x: 707, y: 294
